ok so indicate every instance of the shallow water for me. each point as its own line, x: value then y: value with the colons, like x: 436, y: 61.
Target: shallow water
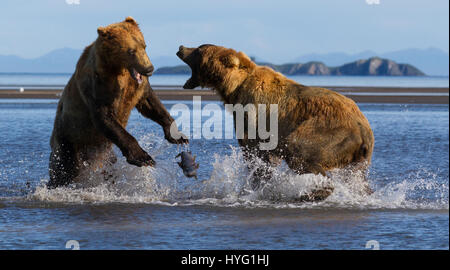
x: 161, y: 209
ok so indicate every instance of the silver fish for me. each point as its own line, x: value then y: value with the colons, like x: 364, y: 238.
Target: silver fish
x: 188, y: 164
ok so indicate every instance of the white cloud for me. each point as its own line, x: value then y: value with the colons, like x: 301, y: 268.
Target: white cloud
x: 373, y: 2
x: 73, y: 2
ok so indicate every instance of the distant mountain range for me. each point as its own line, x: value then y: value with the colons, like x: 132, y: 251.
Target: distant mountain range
x: 60, y: 61
x: 374, y: 66
x: 431, y: 61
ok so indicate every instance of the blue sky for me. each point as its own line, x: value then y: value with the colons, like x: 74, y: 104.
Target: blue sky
x: 277, y: 30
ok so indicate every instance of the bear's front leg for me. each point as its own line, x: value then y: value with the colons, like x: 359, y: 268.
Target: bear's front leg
x: 137, y: 156
x: 151, y: 107
x: 262, y: 171
x: 108, y: 125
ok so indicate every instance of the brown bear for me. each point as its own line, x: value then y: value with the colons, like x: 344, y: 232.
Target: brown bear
x: 318, y: 129
x: 111, y: 78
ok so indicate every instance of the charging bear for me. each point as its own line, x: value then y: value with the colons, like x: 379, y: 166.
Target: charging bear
x: 318, y: 129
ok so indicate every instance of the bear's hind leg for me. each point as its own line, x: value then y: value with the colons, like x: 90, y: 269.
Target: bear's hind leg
x: 63, y: 167
x: 109, y: 171
x: 301, y: 167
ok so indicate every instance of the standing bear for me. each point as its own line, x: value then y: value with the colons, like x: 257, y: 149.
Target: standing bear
x: 111, y: 78
x: 318, y: 129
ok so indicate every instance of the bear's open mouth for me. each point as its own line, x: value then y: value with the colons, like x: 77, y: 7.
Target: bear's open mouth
x: 136, y: 75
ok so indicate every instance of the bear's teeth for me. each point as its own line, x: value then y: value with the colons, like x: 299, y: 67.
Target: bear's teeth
x: 139, y: 77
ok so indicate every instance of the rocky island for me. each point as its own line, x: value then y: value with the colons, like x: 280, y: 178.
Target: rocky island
x: 373, y: 66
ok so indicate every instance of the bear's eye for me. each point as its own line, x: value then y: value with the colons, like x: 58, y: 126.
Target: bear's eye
x: 131, y: 51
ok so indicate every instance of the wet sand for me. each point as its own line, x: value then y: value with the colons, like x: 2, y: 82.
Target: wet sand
x: 173, y: 92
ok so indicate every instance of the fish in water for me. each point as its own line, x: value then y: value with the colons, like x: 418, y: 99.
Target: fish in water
x: 188, y: 164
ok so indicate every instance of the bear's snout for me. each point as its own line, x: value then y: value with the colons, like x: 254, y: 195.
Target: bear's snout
x: 184, y: 52
x: 149, y: 71
x: 180, y: 52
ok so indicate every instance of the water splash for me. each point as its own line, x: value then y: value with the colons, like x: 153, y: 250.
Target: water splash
x: 228, y: 185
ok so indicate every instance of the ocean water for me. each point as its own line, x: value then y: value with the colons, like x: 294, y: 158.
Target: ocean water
x: 159, y: 208
x: 375, y: 81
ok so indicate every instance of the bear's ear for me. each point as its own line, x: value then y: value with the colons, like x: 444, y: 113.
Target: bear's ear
x: 243, y: 55
x: 105, y: 33
x: 245, y: 61
x: 130, y: 19
x: 230, y: 61
x: 102, y: 31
